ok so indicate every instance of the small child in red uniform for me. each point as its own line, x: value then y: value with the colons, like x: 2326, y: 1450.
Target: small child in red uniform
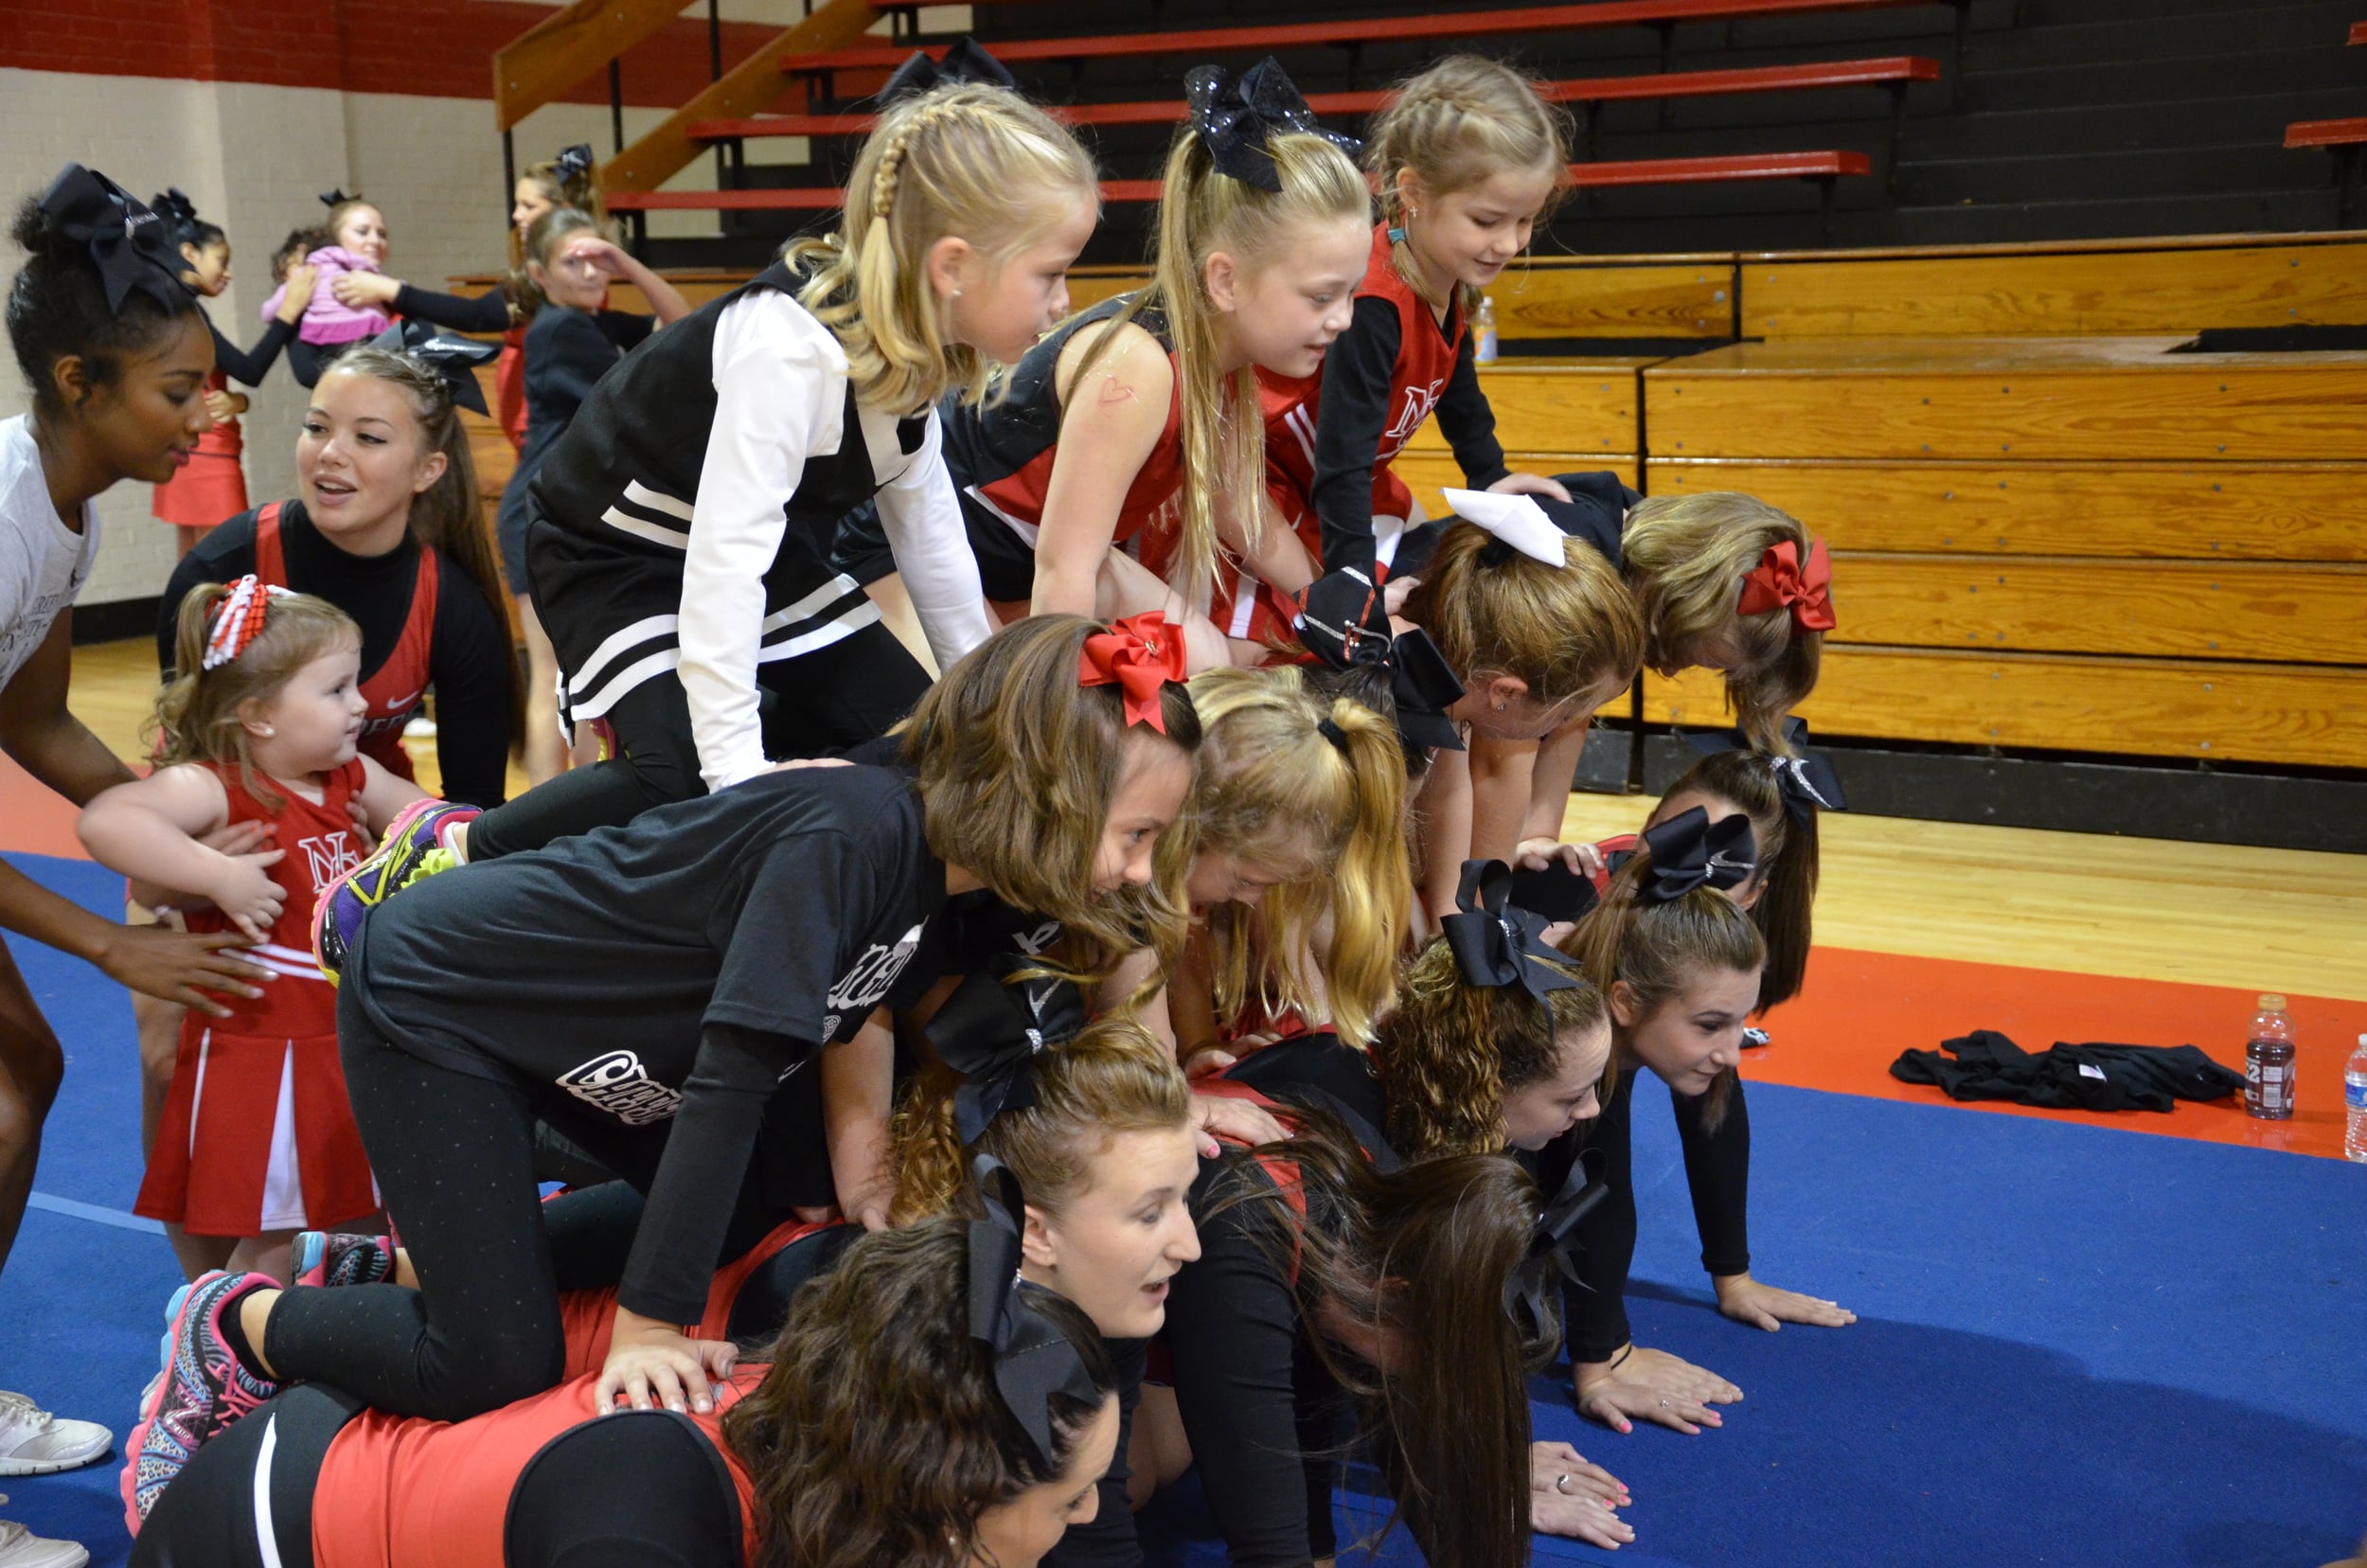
x: 258, y: 1140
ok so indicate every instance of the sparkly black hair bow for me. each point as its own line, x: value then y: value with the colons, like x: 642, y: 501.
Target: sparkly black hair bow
x: 1804, y: 777
x: 572, y: 163
x: 967, y: 62
x: 450, y: 355
x: 1496, y: 944
x: 127, y: 241
x: 1235, y: 116
x: 335, y: 197
x: 991, y: 1028
x: 1342, y: 622
x: 1033, y: 1359
x: 1551, y: 1245
x: 1689, y: 852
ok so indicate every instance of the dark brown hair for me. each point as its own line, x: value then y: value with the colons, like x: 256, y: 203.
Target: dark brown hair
x: 1418, y: 1256
x: 879, y: 1436
x: 1787, y: 860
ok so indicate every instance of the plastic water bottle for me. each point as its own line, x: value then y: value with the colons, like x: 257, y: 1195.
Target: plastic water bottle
x: 2268, y: 1063
x: 2355, y: 1103
x: 1483, y: 331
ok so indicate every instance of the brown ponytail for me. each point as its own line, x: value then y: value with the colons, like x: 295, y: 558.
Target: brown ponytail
x: 1786, y: 875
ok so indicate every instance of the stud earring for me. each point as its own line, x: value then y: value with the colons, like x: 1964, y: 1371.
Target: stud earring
x: 269, y: 731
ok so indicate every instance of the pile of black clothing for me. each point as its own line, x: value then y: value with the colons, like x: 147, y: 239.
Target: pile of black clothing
x: 1986, y: 1066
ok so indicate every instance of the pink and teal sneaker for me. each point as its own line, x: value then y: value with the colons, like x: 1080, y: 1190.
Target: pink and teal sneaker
x: 325, y: 1258
x: 201, y: 1389
x: 418, y: 844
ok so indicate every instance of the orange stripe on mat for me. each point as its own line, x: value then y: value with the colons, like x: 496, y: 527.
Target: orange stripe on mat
x: 1860, y: 1009
x: 35, y: 819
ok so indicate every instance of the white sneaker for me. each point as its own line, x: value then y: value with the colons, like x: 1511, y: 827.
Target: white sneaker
x: 20, y: 1548
x: 34, y: 1442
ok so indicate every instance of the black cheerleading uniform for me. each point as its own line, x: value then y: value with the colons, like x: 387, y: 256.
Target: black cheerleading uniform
x: 656, y: 993
x: 567, y: 353
x: 1717, y: 1172
x: 676, y: 538
x: 249, y: 366
x: 464, y: 654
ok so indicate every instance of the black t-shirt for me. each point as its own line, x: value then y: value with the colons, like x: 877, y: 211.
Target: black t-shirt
x: 469, y: 657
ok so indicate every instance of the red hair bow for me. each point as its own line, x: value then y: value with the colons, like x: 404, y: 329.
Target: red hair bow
x: 1140, y: 655
x: 239, y: 618
x: 1779, y: 579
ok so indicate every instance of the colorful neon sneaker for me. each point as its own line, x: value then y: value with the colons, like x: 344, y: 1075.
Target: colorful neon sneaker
x: 327, y: 1258
x: 416, y: 844
x: 204, y: 1389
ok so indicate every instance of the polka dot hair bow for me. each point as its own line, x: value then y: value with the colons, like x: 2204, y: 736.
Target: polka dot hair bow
x: 239, y: 618
x: 1781, y: 578
x: 1139, y: 654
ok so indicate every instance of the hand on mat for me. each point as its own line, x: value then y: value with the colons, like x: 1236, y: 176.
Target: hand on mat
x: 242, y: 889
x: 1570, y: 1497
x: 1541, y: 854
x: 654, y: 1363
x: 1745, y: 1300
x: 1652, y: 1385
x: 1235, y: 1118
x: 1529, y: 484
x: 173, y: 966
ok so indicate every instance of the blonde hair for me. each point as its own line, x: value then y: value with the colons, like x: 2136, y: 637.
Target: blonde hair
x: 1685, y: 556
x: 197, y: 718
x: 1458, y: 124
x: 1563, y: 630
x: 1452, y: 1051
x: 1018, y: 767
x: 1275, y: 787
x: 1113, y: 1077
x: 976, y: 162
x: 1203, y: 212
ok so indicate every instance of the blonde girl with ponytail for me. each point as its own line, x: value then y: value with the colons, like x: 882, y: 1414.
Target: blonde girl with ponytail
x: 1138, y: 423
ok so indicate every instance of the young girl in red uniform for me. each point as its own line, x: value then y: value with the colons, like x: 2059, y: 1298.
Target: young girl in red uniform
x: 212, y: 487
x: 923, y: 1406
x: 257, y: 1141
x: 1137, y: 421
x: 1468, y: 159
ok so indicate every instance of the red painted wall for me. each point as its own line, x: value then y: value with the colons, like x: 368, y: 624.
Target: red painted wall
x: 437, y: 48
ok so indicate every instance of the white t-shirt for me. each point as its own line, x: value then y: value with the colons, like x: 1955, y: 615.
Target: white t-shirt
x: 42, y: 563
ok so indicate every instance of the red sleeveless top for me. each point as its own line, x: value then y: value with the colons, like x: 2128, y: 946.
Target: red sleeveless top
x: 395, y: 688
x: 322, y: 844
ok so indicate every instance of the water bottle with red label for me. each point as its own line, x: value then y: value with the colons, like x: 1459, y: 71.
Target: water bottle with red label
x: 2268, y: 1063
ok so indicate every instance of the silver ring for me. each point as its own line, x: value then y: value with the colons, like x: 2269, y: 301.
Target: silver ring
x: 1664, y: 1404
x: 1562, y: 1483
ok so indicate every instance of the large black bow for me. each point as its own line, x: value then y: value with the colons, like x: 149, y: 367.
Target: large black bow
x: 1496, y: 944
x: 572, y: 163
x: 1343, y: 623
x: 1552, y: 1241
x: 1033, y: 1359
x: 335, y: 197
x: 127, y: 241
x: 967, y: 62
x: 177, y: 211
x: 991, y: 1028
x: 1235, y: 116
x: 1804, y: 777
x: 1689, y: 852
x: 450, y: 355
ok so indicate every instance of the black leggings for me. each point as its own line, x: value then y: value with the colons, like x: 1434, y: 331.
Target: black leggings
x: 638, y: 1488
x: 454, y: 1158
x: 854, y: 690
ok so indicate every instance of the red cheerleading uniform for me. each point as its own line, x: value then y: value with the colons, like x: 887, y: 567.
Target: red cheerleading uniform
x: 212, y: 487
x: 396, y: 689
x: 257, y: 1133
x: 509, y: 387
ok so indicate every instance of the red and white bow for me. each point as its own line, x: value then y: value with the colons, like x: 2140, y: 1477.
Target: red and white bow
x: 239, y: 618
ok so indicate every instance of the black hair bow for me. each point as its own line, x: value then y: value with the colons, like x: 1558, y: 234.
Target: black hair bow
x: 450, y: 355
x: 1689, y: 852
x: 1596, y: 512
x: 1496, y: 944
x: 335, y: 197
x: 572, y: 163
x: 991, y: 1028
x: 177, y: 211
x: 1342, y: 621
x: 127, y: 241
x: 965, y: 62
x: 1033, y: 1359
x: 1805, y: 778
x: 1235, y: 116
x: 1552, y: 1243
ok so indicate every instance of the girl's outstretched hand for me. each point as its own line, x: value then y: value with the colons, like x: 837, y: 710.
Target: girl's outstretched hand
x: 1746, y: 1300
x: 1652, y: 1385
